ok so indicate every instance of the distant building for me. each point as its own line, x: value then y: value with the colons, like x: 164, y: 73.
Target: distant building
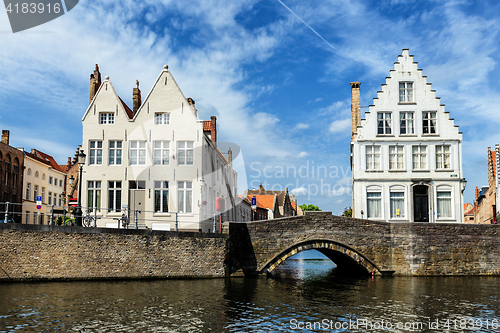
x: 156, y: 163
x: 486, y: 198
x: 42, y: 177
x: 278, y: 203
x: 406, y: 155
x: 11, y: 179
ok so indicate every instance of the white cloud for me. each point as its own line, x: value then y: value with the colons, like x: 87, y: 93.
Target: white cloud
x: 340, y: 126
x: 302, y: 154
x: 301, y: 126
x: 299, y: 191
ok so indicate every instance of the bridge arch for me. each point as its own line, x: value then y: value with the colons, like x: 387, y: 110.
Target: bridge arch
x: 345, y: 257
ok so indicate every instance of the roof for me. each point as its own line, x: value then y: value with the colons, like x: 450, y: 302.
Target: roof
x: 264, y: 200
x: 36, y: 158
x: 51, y: 160
x: 129, y: 112
x: 207, y: 126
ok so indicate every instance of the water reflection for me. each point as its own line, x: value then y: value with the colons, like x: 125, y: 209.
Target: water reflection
x: 312, y: 293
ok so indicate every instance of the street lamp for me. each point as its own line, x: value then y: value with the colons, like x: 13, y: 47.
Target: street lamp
x: 78, y: 211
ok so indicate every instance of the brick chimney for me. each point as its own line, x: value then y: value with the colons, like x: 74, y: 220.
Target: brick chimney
x: 230, y: 157
x: 95, y: 82
x: 5, y: 136
x: 136, y: 97
x: 355, y: 107
x: 491, y: 167
x: 213, y: 128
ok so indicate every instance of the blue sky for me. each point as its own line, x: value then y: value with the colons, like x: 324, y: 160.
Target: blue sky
x: 275, y: 73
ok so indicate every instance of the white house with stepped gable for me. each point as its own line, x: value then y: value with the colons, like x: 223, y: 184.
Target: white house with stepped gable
x: 157, y: 160
x: 406, y: 154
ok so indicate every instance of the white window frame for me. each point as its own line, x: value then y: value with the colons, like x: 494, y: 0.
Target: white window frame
x: 397, y: 189
x: 184, y: 191
x: 161, y: 188
x: 162, y: 118
x: 114, y: 151
x: 417, y: 156
x: 185, y: 152
x: 385, y: 121
x: 161, y: 152
x: 28, y: 191
x: 442, y: 165
x: 51, y: 180
x: 43, y: 195
x: 396, y: 158
x: 114, y: 192
x: 429, y: 122
x: 94, y: 187
x: 406, y: 92
x: 450, y: 199
x: 372, y: 190
x: 106, y: 118
x: 409, y: 122
x: 137, y: 152
x: 35, y: 192
x: 50, y: 199
x: 95, y: 152
x: 371, y: 163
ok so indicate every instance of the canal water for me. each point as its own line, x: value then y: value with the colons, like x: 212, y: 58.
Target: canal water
x: 305, y: 295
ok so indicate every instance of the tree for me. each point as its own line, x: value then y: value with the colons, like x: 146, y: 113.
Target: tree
x: 347, y: 212
x: 309, y: 207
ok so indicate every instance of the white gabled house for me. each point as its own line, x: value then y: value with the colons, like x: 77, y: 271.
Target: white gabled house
x: 157, y: 162
x: 406, y: 155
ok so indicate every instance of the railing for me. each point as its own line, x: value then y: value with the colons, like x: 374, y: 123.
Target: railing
x: 64, y: 216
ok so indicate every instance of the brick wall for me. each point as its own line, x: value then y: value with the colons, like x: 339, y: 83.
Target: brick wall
x: 50, y: 252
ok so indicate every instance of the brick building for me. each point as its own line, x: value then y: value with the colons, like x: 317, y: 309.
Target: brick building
x: 11, y: 179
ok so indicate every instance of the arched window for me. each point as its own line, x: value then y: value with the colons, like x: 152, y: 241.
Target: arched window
x: 29, y: 171
x: 397, y: 196
x: 43, y: 176
x: 36, y: 174
x: 444, y: 199
x: 8, y: 166
x: 374, y: 202
x: 15, y: 172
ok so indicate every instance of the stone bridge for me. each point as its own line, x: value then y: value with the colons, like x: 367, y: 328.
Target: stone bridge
x: 364, y: 246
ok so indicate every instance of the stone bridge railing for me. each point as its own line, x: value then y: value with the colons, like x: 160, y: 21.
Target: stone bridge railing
x: 366, y: 246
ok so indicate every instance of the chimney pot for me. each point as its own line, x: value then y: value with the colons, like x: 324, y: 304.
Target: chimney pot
x: 5, y: 136
x: 136, y: 96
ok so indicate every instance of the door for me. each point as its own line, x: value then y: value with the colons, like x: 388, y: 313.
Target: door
x: 137, y: 203
x: 420, y: 203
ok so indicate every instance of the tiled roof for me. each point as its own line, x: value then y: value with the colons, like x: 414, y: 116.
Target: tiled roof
x: 51, y: 160
x: 129, y: 112
x: 470, y: 212
x: 265, y: 201
x: 207, y: 126
x: 30, y: 155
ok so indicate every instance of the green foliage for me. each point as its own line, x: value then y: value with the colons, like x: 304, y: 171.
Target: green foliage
x: 309, y: 207
x: 347, y: 212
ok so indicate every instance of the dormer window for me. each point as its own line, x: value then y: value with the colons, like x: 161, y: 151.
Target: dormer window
x: 405, y: 92
x: 106, y: 118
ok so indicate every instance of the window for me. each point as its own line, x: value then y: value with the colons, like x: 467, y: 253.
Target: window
x: 60, y: 183
x: 50, y: 198
x: 397, y: 198
x: 384, y: 123
x: 443, y: 157
x: 36, y: 174
x: 185, y: 196
x: 60, y: 200
x: 7, y: 173
x: 43, y: 195
x: 406, y: 125
x: 94, y: 195
x: 35, y: 192
x: 405, y: 92
x: 429, y: 122
x: 419, y: 157
x: 29, y: 172
x: 372, y: 157
x: 15, y: 173
x: 95, y: 148
x: 137, y: 152
x: 43, y: 176
x: 51, y: 180
x: 161, y: 197
x: 106, y: 118
x: 28, y: 191
x: 114, y: 196
x: 374, y: 204
x: 161, y: 150
x: 27, y: 221
x: 185, y: 152
x: 396, y: 157
x: 162, y: 118
x: 444, y: 204
x: 115, y: 153
x: 137, y: 184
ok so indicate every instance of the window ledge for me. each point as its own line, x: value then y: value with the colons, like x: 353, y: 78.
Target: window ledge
x: 420, y: 170
x: 407, y: 103
x: 185, y: 214
x: 402, y: 170
x: 432, y: 134
x: 162, y: 214
x: 385, y: 135
x: 374, y: 170
x: 444, y: 170
x: 408, y: 135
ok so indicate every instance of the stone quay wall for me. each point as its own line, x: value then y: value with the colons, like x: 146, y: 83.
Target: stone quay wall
x: 36, y: 252
x: 419, y: 249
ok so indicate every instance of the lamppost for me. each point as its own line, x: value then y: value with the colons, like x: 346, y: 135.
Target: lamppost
x: 78, y: 211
